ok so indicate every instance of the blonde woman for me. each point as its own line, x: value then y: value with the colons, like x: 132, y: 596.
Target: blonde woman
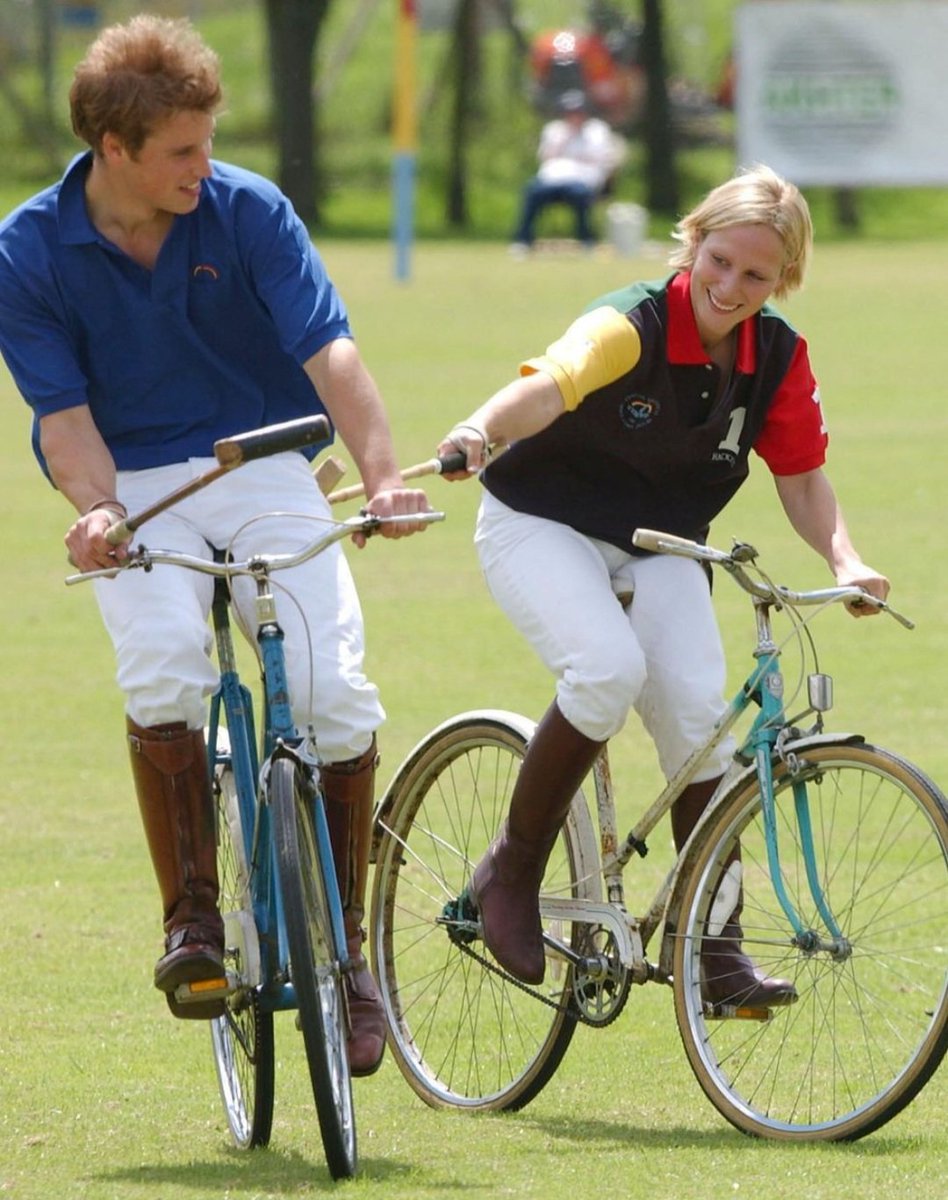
x: 644, y: 414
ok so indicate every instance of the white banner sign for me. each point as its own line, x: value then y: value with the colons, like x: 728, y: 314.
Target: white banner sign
x: 844, y: 94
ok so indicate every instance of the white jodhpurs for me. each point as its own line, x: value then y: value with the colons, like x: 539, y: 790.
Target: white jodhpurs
x: 158, y: 620
x: 662, y: 655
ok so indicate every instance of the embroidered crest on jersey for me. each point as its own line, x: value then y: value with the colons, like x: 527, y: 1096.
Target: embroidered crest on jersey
x: 635, y: 412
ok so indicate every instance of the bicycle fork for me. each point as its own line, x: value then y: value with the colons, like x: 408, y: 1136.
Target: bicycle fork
x: 807, y: 940
x: 284, y: 739
x: 767, y: 737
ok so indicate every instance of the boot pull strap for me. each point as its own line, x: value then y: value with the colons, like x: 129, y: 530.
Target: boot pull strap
x: 366, y: 761
x: 171, y: 752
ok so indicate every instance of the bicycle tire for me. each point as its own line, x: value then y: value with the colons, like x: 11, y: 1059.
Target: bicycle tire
x: 241, y: 1039
x: 462, y: 1035
x: 870, y: 1027
x: 314, y: 963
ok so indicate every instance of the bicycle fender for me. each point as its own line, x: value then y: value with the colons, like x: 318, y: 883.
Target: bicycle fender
x: 501, y: 719
x: 494, y: 716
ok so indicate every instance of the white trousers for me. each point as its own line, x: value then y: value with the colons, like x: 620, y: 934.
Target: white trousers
x: 662, y: 655
x: 158, y: 620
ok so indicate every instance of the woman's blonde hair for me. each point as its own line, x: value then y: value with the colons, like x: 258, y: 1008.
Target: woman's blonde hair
x: 756, y: 196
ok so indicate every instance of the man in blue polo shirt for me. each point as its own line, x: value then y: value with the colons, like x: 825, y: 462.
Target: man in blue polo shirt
x: 151, y: 302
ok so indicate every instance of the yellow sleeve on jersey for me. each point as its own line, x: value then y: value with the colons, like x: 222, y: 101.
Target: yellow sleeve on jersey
x: 596, y: 349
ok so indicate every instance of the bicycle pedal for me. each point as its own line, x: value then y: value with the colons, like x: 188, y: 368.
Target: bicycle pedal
x: 199, y: 991
x: 737, y: 1012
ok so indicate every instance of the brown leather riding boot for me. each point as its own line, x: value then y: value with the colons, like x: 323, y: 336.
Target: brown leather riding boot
x: 506, y: 882
x: 349, y: 789
x: 728, y: 976
x: 169, y: 768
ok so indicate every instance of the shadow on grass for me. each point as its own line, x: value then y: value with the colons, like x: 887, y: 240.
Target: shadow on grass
x: 274, y: 1172
x: 586, y: 1130
x: 279, y: 1173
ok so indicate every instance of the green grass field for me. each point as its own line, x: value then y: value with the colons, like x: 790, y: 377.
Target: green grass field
x: 103, y: 1095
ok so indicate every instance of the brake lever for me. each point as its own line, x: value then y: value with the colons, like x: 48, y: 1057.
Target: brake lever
x: 883, y: 606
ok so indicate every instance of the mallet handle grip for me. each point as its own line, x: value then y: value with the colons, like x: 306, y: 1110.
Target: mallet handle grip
x: 431, y: 466
x: 231, y: 452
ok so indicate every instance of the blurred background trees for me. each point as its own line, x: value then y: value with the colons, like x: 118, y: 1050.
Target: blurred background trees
x: 308, y: 86
x: 40, y: 39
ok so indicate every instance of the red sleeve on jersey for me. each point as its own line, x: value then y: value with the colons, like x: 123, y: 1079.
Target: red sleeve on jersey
x: 794, y: 438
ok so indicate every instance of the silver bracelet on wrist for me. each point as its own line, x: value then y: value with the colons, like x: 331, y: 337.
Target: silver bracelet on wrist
x: 481, y: 433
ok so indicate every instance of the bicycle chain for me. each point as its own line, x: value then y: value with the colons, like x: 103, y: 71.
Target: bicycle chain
x: 570, y: 1009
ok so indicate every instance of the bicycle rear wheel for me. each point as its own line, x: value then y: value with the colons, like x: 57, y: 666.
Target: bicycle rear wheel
x: 870, y: 1025
x: 314, y: 962
x: 463, y: 1034
x: 241, y: 1039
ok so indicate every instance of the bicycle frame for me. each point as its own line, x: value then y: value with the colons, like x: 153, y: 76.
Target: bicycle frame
x: 768, y: 734
x: 279, y: 736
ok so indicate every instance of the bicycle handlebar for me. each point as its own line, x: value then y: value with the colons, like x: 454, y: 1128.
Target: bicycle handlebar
x: 761, y: 589
x: 259, y: 564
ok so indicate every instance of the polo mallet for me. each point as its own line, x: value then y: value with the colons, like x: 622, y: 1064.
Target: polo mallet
x: 431, y: 466
x: 328, y: 473
x: 231, y: 452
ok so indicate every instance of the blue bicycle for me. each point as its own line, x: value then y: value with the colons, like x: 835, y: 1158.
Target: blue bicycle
x: 285, y: 945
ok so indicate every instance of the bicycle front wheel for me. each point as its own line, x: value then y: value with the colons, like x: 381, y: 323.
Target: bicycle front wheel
x: 314, y: 963
x: 870, y: 1024
x: 463, y: 1033
x: 241, y: 1039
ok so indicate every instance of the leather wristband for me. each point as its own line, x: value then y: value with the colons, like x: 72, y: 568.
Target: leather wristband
x: 110, y: 504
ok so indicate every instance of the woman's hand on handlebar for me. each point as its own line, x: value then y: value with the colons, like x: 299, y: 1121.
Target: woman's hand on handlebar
x: 871, y: 582
x: 396, y: 502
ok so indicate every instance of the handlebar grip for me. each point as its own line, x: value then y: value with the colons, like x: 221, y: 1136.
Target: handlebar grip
x: 233, y: 451
x: 659, y: 543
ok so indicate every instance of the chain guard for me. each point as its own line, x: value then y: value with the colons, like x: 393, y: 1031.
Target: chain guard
x: 597, y: 990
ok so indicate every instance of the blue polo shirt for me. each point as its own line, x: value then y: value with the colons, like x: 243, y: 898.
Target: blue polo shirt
x: 209, y: 343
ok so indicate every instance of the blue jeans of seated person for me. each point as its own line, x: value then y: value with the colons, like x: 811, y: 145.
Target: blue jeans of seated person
x: 537, y: 195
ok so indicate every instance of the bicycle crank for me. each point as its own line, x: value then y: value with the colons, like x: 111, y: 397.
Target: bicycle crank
x: 600, y: 982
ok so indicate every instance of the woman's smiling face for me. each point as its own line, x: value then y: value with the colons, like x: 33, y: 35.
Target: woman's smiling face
x: 734, y: 274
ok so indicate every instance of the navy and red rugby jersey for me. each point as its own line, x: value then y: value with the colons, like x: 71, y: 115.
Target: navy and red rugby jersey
x: 658, y: 447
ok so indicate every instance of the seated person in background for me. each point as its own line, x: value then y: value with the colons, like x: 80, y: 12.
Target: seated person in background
x: 578, y: 155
